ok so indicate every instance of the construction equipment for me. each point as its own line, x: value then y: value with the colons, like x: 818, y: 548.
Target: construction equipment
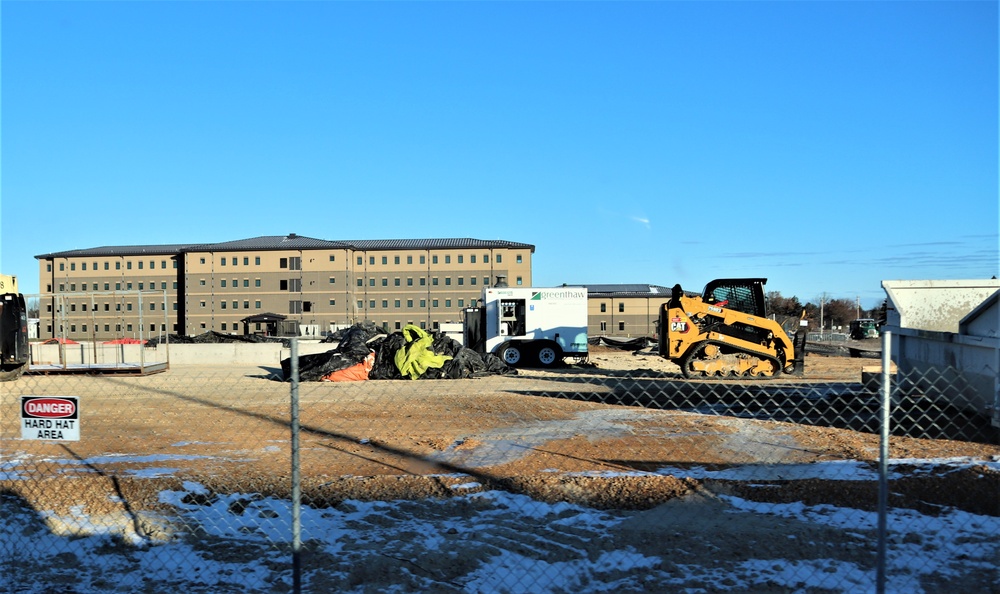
x: 529, y: 326
x: 863, y: 328
x: 14, y: 352
x: 725, y: 332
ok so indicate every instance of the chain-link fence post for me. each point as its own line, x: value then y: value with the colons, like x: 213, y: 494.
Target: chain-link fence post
x: 296, y: 478
x: 883, y: 462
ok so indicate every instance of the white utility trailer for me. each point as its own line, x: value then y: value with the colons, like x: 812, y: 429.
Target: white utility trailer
x: 529, y: 326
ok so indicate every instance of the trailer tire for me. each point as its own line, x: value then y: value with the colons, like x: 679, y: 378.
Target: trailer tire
x: 512, y: 354
x: 548, y: 354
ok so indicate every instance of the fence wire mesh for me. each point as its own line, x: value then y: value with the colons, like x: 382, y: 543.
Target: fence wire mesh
x: 614, y: 475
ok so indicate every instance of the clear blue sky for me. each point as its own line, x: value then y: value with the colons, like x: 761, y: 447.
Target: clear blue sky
x: 824, y: 145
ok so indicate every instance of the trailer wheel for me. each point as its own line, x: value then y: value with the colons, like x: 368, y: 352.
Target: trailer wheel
x: 549, y: 355
x: 511, y: 354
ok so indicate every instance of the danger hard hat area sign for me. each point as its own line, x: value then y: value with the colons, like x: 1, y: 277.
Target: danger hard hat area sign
x: 52, y: 418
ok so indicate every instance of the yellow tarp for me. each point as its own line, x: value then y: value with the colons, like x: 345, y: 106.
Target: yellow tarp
x: 416, y: 356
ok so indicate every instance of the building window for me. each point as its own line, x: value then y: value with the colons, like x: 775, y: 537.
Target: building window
x: 246, y: 261
x: 371, y: 304
x: 395, y: 282
x: 385, y: 304
x: 461, y: 302
x: 434, y: 302
x: 371, y: 282
x: 246, y: 304
x: 447, y: 259
x: 361, y: 304
x: 472, y: 259
x: 395, y: 260
x: 256, y: 260
x: 621, y: 326
x: 409, y: 282
x: 333, y: 281
x: 236, y: 304
x: 371, y: 260
x: 295, y: 307
x: 519, y: 281
x: 223, y: 326
x: 333, y: 258
x: 360, y: 261
x: 234, y: 261
x: 434, y: 259
x: 202, y: 260
x: 283, y: 263
x: 222, y: 261
x: 409, y: 303
x: 447, y: 281
x: 423, y: 281
x: 222, y: 304
x: 423, y: 303
x: 295, y: 284
x: 396, y: 303
x: 361, y: 282
x: 447, y: 303
x: 222, y: 283
x: 461, y: 280
x: 460, y: 257
x: 434, y: 281
x: 621, y: 307
x: 519, y: 258
x: 499, y: 258
x: 385, y: 260
x: 128, y: 265
x: 256, y: 304
x: 472, y: 280
x: 604, y: 307
x: 256, y: 282
x: 604, y: 326
x: 409, y: 259
x: 295, y: 263
x: 246, y: 283
x: 118, y: 266
x: 333, y: 302
x: 72, y: 266
x: 385, y: 282
x: 423, y: 259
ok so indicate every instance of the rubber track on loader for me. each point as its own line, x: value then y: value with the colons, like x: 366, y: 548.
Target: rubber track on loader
x: 699, y: 347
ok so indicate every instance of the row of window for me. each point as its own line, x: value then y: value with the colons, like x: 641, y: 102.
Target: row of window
x: 397, y: 303
x: 621, y: 307
x: 604, y: 326
x: 107, y: 307
x: 460, y: 258
x: 107, y: 265
x: 107, y: 328
x: 107, y: 286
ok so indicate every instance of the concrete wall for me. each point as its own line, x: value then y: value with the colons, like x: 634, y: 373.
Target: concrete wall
x: 175, y: 354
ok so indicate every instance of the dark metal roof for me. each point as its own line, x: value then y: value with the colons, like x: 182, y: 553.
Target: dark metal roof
x: 119, y: 250
x: 286, y: 242
x: 269, y: 242
x: 429, y: 244
x: 627, y: 290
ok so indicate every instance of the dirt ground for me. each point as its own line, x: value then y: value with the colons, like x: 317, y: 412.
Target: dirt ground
x: 583, y: 434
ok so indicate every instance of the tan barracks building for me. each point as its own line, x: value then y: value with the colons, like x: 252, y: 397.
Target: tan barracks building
x: 269, y: 285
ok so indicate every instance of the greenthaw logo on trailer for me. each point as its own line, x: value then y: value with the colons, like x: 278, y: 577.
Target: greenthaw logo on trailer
x: 558, y: 294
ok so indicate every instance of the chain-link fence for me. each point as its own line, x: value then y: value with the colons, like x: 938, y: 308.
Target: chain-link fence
x: 615, y: 475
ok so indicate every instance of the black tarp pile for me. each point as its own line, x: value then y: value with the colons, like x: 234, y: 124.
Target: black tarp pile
x: 360, y: 340
x: 625, y: 344
x: 213, y: 337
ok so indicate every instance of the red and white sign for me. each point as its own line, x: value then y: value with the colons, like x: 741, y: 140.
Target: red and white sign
x: 50, y: 418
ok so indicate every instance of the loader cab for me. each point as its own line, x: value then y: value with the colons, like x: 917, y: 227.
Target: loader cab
x: 741, y: 294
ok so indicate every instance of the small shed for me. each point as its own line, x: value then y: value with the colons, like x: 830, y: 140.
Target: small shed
x: 263, y: 323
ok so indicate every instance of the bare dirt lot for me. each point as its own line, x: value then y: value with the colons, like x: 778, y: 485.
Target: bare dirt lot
x: 599, y: 435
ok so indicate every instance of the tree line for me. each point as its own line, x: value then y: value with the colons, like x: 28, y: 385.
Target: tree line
x: 833, y: 312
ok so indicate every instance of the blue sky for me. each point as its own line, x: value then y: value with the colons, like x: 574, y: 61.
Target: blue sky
x: 824, y: 145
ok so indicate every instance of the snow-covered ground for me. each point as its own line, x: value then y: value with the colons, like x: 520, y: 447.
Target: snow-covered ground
x: 486, y: 541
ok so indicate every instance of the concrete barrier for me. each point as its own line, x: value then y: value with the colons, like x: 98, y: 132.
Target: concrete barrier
x: 85, y: 353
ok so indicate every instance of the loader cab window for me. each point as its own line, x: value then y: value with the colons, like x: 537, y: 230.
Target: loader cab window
x: 512, y: 318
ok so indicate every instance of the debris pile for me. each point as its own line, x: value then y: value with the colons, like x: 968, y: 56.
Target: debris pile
x: 366, y: 352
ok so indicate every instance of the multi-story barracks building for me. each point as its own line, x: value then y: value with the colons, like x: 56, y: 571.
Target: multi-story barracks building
x: 266, y: 284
